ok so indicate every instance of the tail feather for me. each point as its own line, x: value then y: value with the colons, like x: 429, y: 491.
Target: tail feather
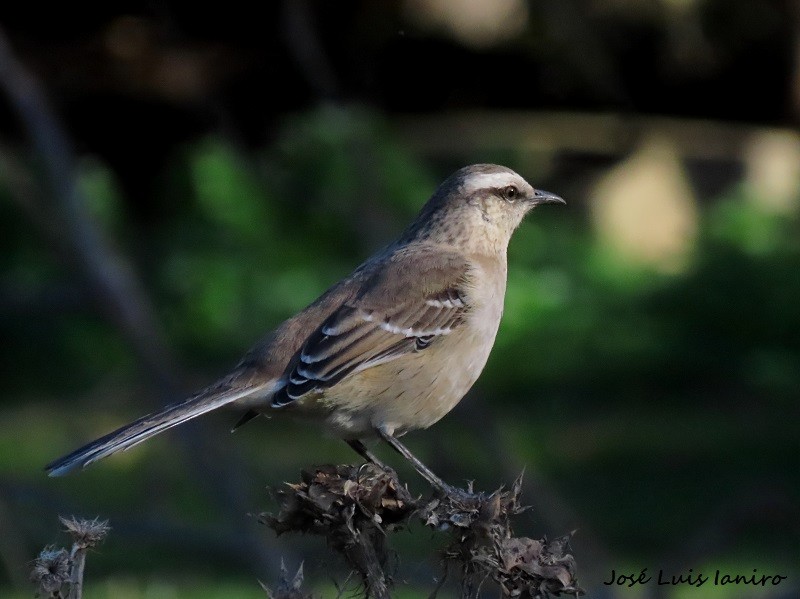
x: 148, y: 426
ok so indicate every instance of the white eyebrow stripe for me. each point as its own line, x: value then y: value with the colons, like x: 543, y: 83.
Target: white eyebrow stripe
x: 487, y: 180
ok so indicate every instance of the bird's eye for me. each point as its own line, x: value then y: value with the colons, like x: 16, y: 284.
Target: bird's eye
x: 510, y: 193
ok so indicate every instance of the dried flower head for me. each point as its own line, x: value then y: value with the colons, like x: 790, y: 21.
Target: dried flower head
x: 51, y: 569
x: 86, y: 533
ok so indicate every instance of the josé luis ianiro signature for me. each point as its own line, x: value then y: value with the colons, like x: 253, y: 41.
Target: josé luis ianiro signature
x: 690, y: 578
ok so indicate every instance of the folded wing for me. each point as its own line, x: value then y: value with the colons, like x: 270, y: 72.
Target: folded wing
x: 372, y: 330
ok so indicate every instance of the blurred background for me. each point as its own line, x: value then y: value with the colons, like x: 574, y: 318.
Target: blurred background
x: 176, y: 179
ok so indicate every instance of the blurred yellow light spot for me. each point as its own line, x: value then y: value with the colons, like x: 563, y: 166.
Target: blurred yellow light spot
x: 773, y: 171
x: 473, y: 22
x: 644, y: 208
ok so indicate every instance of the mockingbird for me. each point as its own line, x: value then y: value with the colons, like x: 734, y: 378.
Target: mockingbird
x: 392, y: 347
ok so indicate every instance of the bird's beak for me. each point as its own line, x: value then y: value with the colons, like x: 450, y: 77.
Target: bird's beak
x: 545, y: 197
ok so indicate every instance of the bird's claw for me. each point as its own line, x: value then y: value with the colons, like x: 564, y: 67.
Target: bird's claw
x: 462, y: 496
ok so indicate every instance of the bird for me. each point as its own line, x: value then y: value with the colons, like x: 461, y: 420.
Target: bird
x: 389, y: 349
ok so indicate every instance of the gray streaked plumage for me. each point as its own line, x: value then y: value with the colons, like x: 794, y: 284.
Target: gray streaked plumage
x: 392, y: 347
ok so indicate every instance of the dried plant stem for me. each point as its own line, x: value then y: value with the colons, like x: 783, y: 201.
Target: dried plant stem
x: 365, y: 558
x: 78, y: 556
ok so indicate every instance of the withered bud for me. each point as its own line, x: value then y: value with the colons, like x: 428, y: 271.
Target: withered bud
x: 51, y: 569
x: 86, y: 533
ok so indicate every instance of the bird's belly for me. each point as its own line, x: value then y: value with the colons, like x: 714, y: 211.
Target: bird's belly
x: 409, y: 393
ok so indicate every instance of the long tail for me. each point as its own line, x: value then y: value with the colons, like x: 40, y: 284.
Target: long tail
x: 148, y: 426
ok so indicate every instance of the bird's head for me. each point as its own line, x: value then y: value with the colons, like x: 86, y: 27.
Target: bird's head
x: 481, y: 203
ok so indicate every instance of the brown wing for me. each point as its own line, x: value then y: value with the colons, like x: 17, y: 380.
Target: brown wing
x: 395, y: 316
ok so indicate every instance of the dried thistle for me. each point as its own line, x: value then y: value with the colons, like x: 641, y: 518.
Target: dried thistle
x: 51, y: 569
x: 354, y: 508
x: 86, y: 533
x: 55, y: 568
x: 484, y: 546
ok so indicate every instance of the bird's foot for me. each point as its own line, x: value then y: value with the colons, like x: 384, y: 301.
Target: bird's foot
x: 455, y: 507
x: 388, y: 470
x: 464, y: 497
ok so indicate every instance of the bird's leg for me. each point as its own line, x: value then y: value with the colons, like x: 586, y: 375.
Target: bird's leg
x: 365, y: 453
x: 425, y: 472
